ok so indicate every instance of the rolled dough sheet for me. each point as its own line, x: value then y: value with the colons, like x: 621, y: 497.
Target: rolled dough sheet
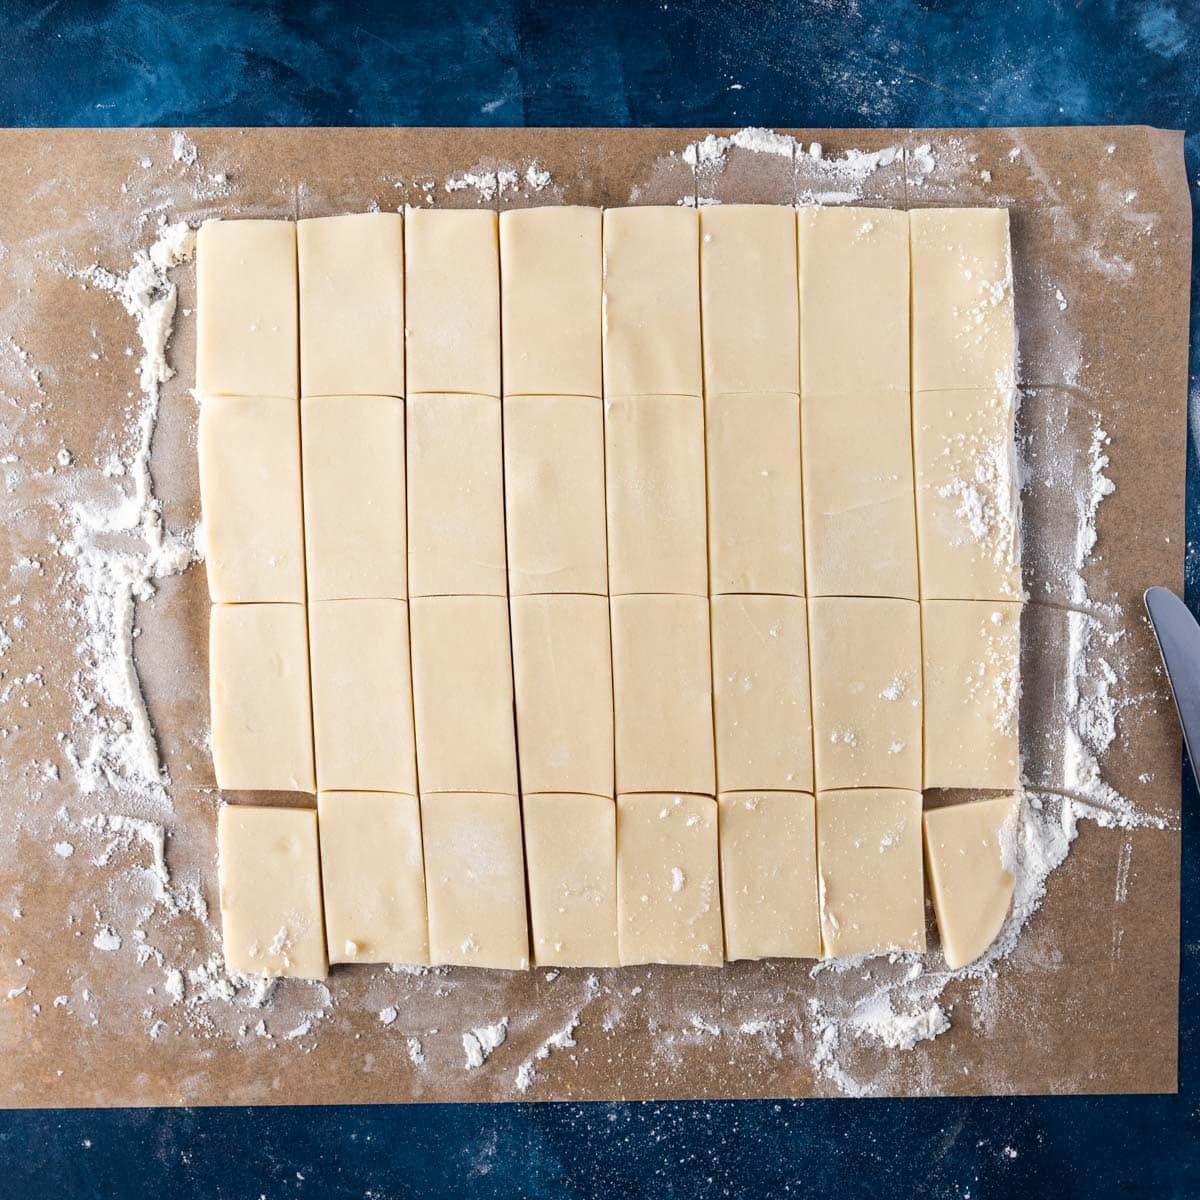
x: 352, y: 305
x: 373, y: 878
x: 571, y: 865
x: 972, y: 890
x: 271, y: 919
x: 668, y: 892
x: 362, y: 696
x: 551, y: 273
x: 475, y: 880
x: 452, y: 280
x: 354, y: 497
x: 249, y: 453
x: 247, y: 330
x: 869, y: 858
x: 259, y: 694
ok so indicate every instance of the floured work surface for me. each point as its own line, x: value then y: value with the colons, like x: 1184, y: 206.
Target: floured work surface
x: 112, y: 990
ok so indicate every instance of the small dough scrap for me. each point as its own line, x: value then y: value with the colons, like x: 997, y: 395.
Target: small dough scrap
x: 972, y: 693
x: 971, y: 887
x: 652, y: 302
x: 554, y: 494
x: 853, y: 301
x: 463, y: 694
x: 249, y: 452
x: 562, y: 670
x: 550, y: 285
x: 860, y: 521
x: 769, y: 875
x: 749, y: 298
x: 373, y: 878
x: 475, y: 880
x: 657, y: 525
x: 755, y: 513
x: 455, y: 497
x: 571, y: 862
x: 258, y: 685
x: 662, y: 690
x: 352, y: 305
x: 760, y: 693
x: 866, y: 686
x: 967, y: 495
x: 452, y: 280
x: 354, y: 506
x: 362, y: 696
x: 869, y: 862
x: 271, y: 922
x: 247, y: 330
x: 964, y: 331
x: 668, y: 892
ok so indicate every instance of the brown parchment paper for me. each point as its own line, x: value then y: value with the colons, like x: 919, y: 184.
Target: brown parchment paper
x: 1088, y: 1003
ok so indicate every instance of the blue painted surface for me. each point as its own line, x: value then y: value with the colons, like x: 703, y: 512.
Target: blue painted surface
x: 821, y: 63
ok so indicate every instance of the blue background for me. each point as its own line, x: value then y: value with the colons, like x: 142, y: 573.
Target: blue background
x: 822, y: 63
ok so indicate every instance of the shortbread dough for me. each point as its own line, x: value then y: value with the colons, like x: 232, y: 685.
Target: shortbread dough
x: 354, y: 497
x: 866, y: 686
x: 452, y: 281
x: 562, y: 671
x: 550, y: 285
x: 662, y: 691
x: 271, y: 920
x: 972, y: 693
x: 668, y: 892
x: 657, y: 529
x: 964, y: 334
x: 769, y: 875
x: 475, y: 880
x: 971, y: 887
x: 755, y: 514
x: 258, y: 684
x: 372, y: 877
x: 455, y: 496
x: 463, y: 694
x: 554, y: 494
x: 869, y: 862
x: 247, y: 338
x: 760, y: 693
x: 249, y: 451
x: 362, y: 696
x: 352, y: 305
x: 748, y: 298
x: 571, y: 863
x: 652, y: 302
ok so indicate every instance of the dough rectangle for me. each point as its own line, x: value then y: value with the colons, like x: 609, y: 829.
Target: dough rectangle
x: 352, y: 304
x: 562, y: 669
x: 247, y: 327
x: 551, y: 274
x: 571, y: 865
x: 373, y: 878
x: 362, y: 696
x: 249, y: 452
x: 259, y: 694
x: 554, y: 494
x: 463, y: 694
x: 652, y: 302
x: 662, y: 689
x: 452, y: 282
x: 355, y: 539
x: 271, y: 917
x: 475, y: 880
x: 668, y: 888
x: 768, y: 844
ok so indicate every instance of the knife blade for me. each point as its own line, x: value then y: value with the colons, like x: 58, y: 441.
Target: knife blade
x: 1178, y: 636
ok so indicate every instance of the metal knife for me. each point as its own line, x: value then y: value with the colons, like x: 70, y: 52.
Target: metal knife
x: 1178, y: 636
